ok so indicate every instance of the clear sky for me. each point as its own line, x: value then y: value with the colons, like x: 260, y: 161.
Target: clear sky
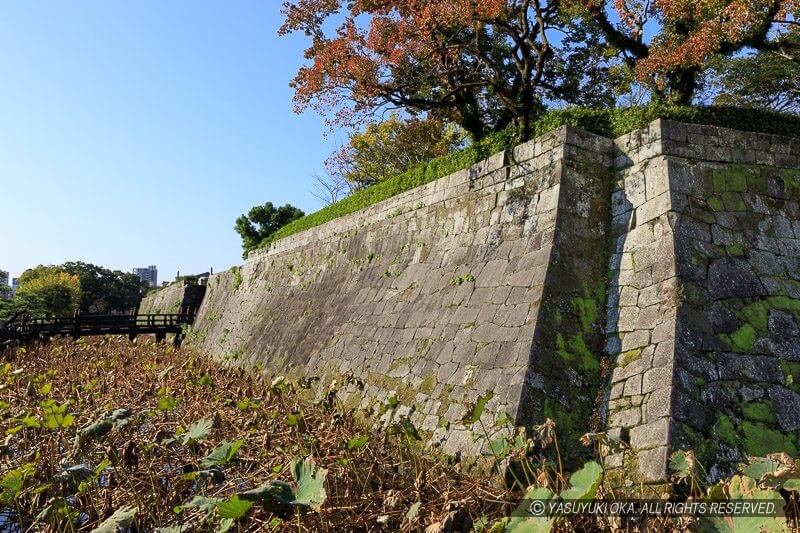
x: 134, y: 133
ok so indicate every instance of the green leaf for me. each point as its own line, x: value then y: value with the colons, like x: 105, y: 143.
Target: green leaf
x: 225, y: 525
x: 584, y: 482
x: 683, y: 464
x: 475, y: 410
x: 522, y: 521
x: 413, y: 511
x: 167, y: 402
x: 405, y: 427
x: 58, y: 420
x: 13, y: 482
x: 357, y: 442
x: 792, y: 484
x: 197, y: 431
x: 293, y: 419
x: 222, y: 453
x: 233, y: 507
x: 746, y: 488
x: 500, y: 447
x: 199, y: 502
x: 122, y: 518
x: 272, y: 490
x: 310, y: 483
x: 758, y: 466
x: 205, y: 381
x: 183, y: 528
x: 389, y: 403
x: 30, y: 421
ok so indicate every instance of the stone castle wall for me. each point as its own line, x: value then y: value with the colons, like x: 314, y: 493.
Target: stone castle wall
x: 705, y: 299
x: 649, y: 285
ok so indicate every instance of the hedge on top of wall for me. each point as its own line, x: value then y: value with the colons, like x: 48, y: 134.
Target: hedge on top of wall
x: 607, y: 122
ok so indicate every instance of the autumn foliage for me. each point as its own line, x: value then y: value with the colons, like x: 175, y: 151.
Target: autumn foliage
x: 691, y: 32
x: 487, y: 64
x: 483, y: 64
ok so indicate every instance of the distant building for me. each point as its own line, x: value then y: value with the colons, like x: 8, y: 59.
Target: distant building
x: 14, y: 286
x: 149, y: 274
x: 5, y: 291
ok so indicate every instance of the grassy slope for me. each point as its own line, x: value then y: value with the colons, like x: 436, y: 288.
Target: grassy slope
x: 608, y: 122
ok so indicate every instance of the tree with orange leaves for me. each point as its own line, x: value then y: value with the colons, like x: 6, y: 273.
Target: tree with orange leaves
x: 690, y: 33
x: 481, y: 64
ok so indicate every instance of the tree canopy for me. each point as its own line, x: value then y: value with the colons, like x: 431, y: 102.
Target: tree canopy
x: 483, y: 65
x: 106, y: 291
x: 388, y: 148
x: 690, y: 33
x: 262, y: 221
x: 47, y: 291
x: 60, y: 290
x: 486, y: 65
x: 764, y: 80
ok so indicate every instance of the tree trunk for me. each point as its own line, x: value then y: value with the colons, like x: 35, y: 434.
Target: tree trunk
x: 682, y: 86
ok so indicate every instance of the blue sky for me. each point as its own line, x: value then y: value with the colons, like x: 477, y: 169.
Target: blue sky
x: 134, y: 133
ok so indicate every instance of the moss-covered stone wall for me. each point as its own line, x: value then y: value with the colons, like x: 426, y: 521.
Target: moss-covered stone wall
x: 703, y: 306
x: 647, y: 285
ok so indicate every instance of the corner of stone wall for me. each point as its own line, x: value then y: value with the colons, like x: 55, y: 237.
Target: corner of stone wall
x: 704, y: 223
x: 641, y: 306
x: 565, y: 374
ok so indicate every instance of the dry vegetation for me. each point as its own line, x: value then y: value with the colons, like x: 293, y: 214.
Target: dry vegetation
x: 107, y: 435
x: 183, y: 407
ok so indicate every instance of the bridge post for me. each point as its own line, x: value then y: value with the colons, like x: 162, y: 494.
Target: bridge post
x: 76, y: 326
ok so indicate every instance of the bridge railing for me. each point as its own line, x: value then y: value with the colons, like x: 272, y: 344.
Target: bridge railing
x: 20, y: 327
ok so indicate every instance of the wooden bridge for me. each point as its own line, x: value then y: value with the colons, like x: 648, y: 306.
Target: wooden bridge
x: 23, y: 328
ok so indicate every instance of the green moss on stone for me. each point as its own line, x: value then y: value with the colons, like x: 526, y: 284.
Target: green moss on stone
x: 755, y: 314
x: 759, y: 411
x: 743, y: 339
x: 791, y: 375
x: 760, y: 440
x: 428, y: 384
x: 784, y: 303
x: 698, y: 260
x: 733, y: 201
x: 737, y: 180
x: 791, y: 180
x: 735, y: 250
x: 586, y: 309
x: 725, y: 430
x: 587, y: 359
x: 715, y: 203
x: 630, y: 356
x: 237, y: 277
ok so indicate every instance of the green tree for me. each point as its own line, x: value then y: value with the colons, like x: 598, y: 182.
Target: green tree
x: 388, y: 148
x: 262, y: 221
x: 48, y: 291
x: 764, y: 80
x: 106, y: 291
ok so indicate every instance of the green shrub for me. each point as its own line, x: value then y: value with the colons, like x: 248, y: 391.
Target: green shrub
x: 607, y: 122
x: 414, y: 177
